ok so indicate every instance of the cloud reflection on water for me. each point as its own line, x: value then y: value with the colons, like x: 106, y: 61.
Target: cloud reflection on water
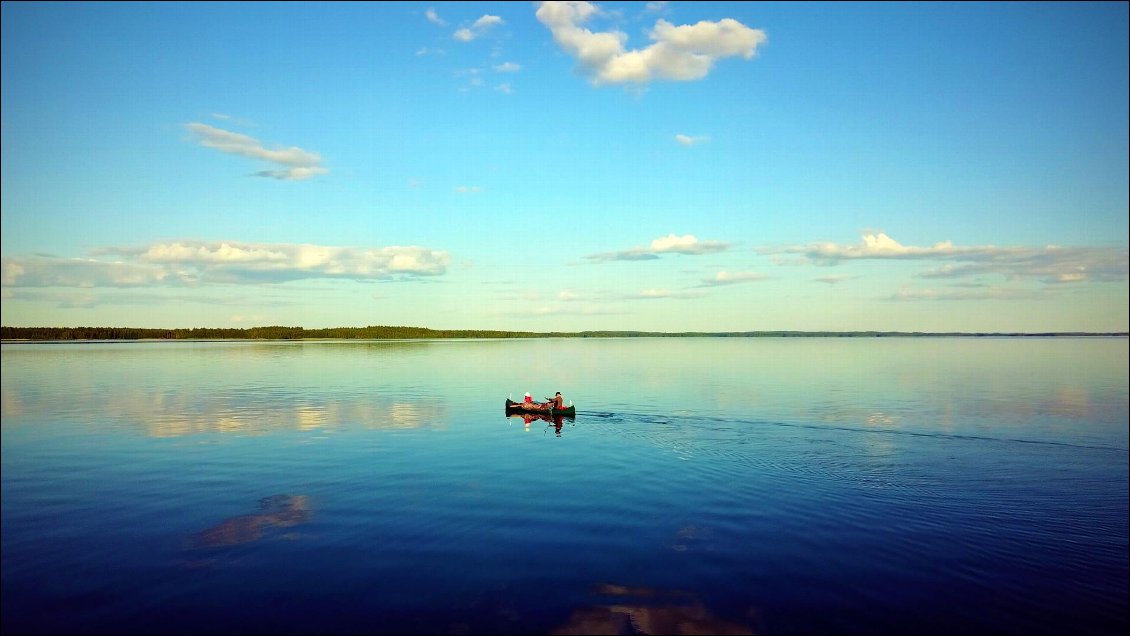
x: 168, y: 413
x: 648, y: 611
x: 276, y: 511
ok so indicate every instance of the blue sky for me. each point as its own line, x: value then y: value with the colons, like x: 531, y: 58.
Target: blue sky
x: 566, y: 166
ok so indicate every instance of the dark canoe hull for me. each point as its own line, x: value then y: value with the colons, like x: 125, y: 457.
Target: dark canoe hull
x: 518, y: 407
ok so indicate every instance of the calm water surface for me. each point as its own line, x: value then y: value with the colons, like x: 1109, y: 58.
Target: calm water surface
x: 778, y: 486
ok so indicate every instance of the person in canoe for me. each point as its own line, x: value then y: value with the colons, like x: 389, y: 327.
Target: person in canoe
x: 556, y: 402
x: 528, y: 404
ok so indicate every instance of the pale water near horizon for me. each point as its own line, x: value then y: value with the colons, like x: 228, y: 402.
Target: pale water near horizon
x: 706, y: 485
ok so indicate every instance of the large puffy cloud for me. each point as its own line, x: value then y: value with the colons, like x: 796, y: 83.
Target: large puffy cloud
x: 295, y: 164
x: 79, y: 272
x: 195, y: 262
x: 671, y: 244
x: 1051, y: 264
x: 680, y: 53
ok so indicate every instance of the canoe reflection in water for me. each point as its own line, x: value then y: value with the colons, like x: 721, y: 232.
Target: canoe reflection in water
x: 277, y: 511
x: 648, y: 611
x: 558, y: 421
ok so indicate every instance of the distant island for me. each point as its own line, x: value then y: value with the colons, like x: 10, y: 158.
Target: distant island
x: 423, y: 333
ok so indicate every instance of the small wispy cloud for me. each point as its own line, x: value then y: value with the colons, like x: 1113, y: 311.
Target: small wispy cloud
x: 89, y: 297
x: 731, y: 278
x: 832, y: 280
x: 688, y: 140
x: 295, y: 164
x: 231, y: 262
x: 507, y: 67
x: 679, y: 53
x: 992, y: 293
x: 478, y: 28
x: 663, y: 293
x: 231, y: 119
x: 504, y: 88
x: 671, y: 244
x: 1050, y: 264
x: 433, y: 17
x: 564, y: 311
x: 463, y: 189
x: 470, y: 78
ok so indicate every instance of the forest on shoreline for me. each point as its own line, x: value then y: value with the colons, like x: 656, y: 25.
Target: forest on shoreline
x: 422, y: 333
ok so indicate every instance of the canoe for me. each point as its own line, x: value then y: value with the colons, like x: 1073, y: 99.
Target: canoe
x: 519, y: 407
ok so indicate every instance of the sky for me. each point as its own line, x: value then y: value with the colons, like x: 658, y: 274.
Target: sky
x: 566, y: 166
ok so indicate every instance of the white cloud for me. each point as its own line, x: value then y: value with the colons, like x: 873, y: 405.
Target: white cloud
x: 507, y: 67
x: 486, y: 22
x: 73, y: 297
x: 731, y: 278
x: 196, y: 262
x: 433, y: 17
x: 472, y: 78
x: 468, y: 189
x: 296, y: 164
x: 504, y: 88
x: 79, y: 272
x: 992, y: 293
x: 478, y: 29
x: 877, y: 245
x: 232, y: 120
x: 663, y: 293
x: 1051, y: 264
x: 688, y: 140
x: 686, y: 244
x: 679, y: 53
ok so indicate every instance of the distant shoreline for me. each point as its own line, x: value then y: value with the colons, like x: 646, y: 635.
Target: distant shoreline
x: 68, y: 334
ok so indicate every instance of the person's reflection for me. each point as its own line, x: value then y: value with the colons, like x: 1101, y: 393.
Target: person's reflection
x: 557, y: 421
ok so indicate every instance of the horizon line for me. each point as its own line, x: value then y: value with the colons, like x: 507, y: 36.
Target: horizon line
x: 282, y: 332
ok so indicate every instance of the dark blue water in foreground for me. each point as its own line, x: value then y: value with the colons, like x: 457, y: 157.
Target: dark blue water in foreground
x: 779, y: 486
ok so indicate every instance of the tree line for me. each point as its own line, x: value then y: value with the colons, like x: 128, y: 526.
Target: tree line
x: 382, y: 332
x: 249, y: 333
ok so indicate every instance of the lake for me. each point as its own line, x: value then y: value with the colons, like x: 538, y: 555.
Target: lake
x: 706, y: 485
